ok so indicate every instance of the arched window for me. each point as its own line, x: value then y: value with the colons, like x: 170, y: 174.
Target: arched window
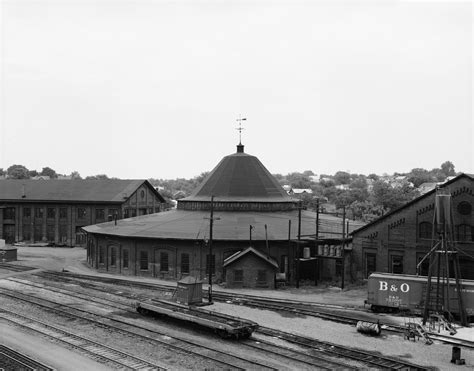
x: 425, y: 230
x: 465, y: 232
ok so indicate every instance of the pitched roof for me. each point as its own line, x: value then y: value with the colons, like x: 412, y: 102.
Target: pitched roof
x: 425, y: 195
x: 250, y: 250
x: 240, y: 177
x: 108, y: 190
x: 229, y: 226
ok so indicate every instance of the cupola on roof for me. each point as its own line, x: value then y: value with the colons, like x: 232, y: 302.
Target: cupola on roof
x: 239, y: 182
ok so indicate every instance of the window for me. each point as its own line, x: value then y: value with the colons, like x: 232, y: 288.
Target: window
x: 142, y: 211
x: 464, y: 208
x: 101, y: 254
x: 425, y: 230
x: 396, y: 264
x: 39, y: 212
x: 464, y: 233
x: 113, y: 256
x: 185, y: 263
x: 134, y: 212
x: 9, y: 213
x: 112, y: 214
x: 238, y: 275
x: 142, y: 193
x: 213, y: 264
x: 143, y: 260
x: 81, y: 213
x: 125, y: 259
x: 423, y: 269
x: 50, y: 212
x: 262, y: 276
x: 99, y: 214
x: 26, y: 212
x: 370, y: 264
x: 164, y: 262
x: 62, y: 213
x: 126, y: 213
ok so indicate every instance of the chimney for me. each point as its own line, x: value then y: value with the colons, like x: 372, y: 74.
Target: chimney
x: 23, y: 193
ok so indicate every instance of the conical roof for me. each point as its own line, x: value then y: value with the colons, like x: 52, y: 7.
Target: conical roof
x: 239, y: 182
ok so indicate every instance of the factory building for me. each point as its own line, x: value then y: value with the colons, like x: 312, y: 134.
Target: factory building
x: 398, y: 241
x: 54, y: 211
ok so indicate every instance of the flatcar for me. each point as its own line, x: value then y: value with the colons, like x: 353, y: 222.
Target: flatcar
x: 391, y: 292
x: 224, y: 325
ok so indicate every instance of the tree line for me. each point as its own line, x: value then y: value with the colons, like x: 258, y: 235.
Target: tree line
x: 365, y: 197
x: 22, y: 172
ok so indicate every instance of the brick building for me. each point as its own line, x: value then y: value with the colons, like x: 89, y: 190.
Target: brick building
x: 250, y: 209
x: 54, y: 211
x: 397, y: 242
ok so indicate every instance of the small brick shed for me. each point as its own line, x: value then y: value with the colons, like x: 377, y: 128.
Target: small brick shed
x: 8, y: 254
x: 250, y: 269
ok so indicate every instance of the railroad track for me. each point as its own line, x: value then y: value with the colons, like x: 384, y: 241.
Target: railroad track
x: 297, y: 359
x: 12, y: 360
x: 383, y: 362
x: 97, y: 351
x: 220, y: 358
x: 323, y: 311
x: 15, y: 267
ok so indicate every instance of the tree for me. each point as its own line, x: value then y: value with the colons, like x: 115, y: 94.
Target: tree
x: 419, y: 176
x: 47, y: 171
x: 342, y: 177
x: 18, y: 172
x: 391, y: 198
x: 75, y: 175
x: 2, y: 172
x: 98, y: 177
x: 299, y: 180
x: 447, y: 168
x: 32, y: 173
x: 366, y: 211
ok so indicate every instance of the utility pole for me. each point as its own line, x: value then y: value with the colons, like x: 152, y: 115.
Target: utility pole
x: 250, y: 237
x: 316, y: 245
x: 343, y: 244
x: 211, y: 222
x: 298, y: 247
x: 289, y: 251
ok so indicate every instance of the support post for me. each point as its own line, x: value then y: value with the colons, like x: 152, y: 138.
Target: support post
x: 211, y: 222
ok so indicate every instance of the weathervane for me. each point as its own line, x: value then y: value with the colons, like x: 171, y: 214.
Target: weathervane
x: 240, y: 128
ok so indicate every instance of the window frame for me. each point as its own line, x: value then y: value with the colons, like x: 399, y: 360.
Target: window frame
x: 164, y: 262
x: 185, y: 262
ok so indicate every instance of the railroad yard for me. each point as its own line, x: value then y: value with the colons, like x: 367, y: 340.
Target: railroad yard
x: 66, y: 316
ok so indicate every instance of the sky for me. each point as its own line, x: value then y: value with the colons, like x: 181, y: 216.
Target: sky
x: 153, y: 89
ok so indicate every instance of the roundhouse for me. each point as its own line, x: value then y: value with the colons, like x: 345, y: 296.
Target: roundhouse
x: 250, y: 209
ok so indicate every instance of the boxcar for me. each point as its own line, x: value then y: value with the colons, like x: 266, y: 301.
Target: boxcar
x: 387, y: 291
